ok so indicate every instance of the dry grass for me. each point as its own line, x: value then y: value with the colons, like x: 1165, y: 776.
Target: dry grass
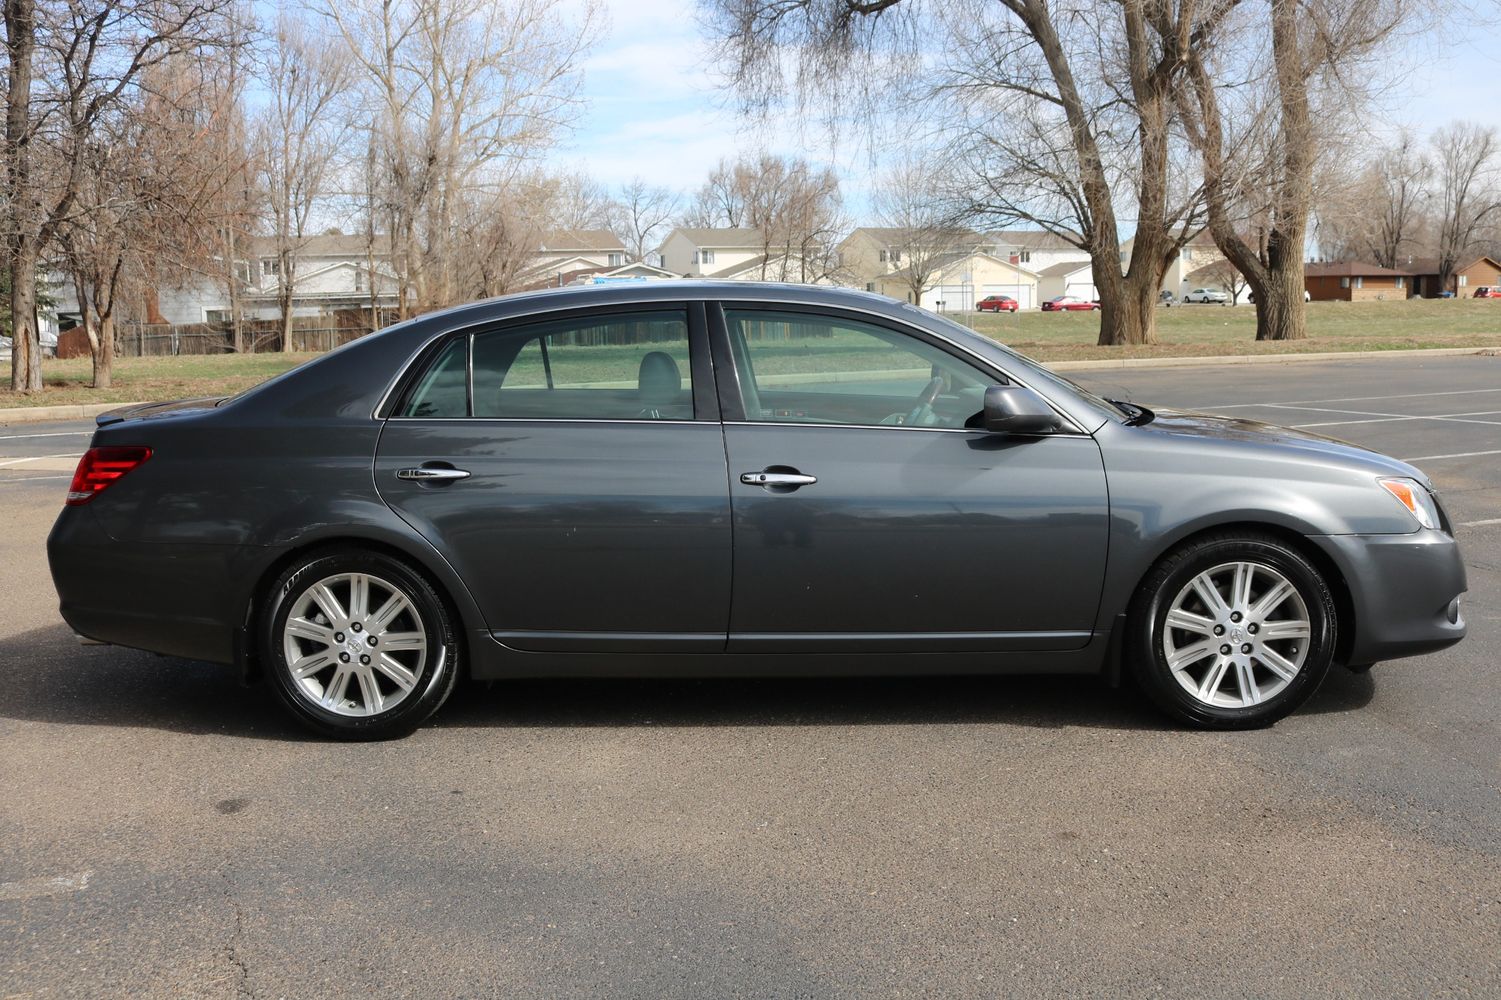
x: 1184, y: 331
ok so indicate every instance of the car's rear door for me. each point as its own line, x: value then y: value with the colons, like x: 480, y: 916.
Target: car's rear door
x: 868, y: 516
x: 572, y: 470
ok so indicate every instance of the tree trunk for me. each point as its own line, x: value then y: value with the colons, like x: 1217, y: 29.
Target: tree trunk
x: 1279, y: 303
x: 104, y: 353
x: 20, y: 240
x: 26, y: 349
x: 1128, y: 309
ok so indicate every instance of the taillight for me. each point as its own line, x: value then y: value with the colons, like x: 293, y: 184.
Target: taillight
x: 99, y: 468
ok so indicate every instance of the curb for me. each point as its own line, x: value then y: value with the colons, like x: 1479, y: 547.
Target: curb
x: 1268, y: 359
x: 69, y: 411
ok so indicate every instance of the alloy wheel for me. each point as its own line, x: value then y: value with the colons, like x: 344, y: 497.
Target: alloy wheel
x: 354, y: 644
x: 1236, y: 635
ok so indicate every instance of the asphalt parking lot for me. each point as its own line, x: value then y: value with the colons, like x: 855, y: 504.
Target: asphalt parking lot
x: 163, y: 832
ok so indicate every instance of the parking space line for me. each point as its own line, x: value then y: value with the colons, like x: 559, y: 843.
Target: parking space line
x: 37, y: 458
x: 1459, y: 454
x: 1373, y: 413
x: 11, y: 481
x: 1425, y: 416
x: 1476, y: 524
x: 49, y: 434
x: 1364, y: 399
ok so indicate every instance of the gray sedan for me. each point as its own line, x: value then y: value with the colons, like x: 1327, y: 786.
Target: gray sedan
x: 681, y: 478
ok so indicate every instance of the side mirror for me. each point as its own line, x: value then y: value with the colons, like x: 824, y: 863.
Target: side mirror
x: 1015, y: 409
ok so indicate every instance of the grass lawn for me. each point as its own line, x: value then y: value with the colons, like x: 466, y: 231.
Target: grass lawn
x: 1212, y: 331
x: 154, y: 378
x: 1184, y: 331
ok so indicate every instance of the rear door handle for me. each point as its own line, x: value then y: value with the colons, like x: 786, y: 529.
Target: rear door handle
x: 428, y: 474
x: 793, y: 479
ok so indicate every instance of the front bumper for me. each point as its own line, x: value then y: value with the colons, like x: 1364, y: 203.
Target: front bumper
x: 1403, y: 590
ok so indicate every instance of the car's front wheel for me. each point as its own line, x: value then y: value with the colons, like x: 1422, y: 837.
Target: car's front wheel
x: 1231, y: 631
x: 358, y: 645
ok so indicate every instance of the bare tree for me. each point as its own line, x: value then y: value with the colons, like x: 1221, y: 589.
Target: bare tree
x: 910, y: 201
x: 1401, y: 176
x: 1260, y: 146
x: 720, y: 203
x: 1466, y: 196
x: 299, y: 135
x: 644, y: 215
x: 580, y: 202
x: 1086, y: 87
x: 458, y: 95
x: 92, y: 54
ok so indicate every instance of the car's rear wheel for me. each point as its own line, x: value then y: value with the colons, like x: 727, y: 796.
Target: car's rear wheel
x: 358, y: 645
x: 1232, y: 631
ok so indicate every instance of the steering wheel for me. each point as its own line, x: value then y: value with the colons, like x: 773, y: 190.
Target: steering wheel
x: 923, y: 411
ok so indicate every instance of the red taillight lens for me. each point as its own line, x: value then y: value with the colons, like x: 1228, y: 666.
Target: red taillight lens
x: 99, y: 468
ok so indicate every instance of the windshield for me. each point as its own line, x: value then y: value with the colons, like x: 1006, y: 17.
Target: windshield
x: 1034, y: 372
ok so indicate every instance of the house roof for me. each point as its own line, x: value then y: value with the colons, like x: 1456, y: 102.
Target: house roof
x: 946, y: 261
x: 1349, y: 269
x: 898, y: 234
x: 324, y: 245
x: 716, y: 239
x: 1065, y: 267
x: 1429, y: 265
x: 1030, y: 239
x: 580, y: 239
x: 1209, y: 271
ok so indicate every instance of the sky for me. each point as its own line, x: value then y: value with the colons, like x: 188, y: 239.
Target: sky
x: 656, y: 107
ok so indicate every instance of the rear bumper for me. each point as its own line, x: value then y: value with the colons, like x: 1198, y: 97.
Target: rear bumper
x: 173, y: 599
x: 1403, y: 589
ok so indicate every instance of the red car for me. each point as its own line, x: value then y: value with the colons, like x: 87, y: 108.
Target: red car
x: 997, y: 303
x: 1067, y: 303
x: 1487, y: 292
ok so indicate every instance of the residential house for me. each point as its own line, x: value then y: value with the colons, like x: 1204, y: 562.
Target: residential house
x: 959, y: 279
x: 1197, y: 253
x: 1217, y: 275
x: 1067, y: 278
x: 701, y: 253
x: 1353, y: 281
x: 732, y: 255
x: 333, y: 272
x: 634, y: 271
x: 1036, y: 249
x: 869, y: 253
x: 1466, y: 277
x: 567, y: 250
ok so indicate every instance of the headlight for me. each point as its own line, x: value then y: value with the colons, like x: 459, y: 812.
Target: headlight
x: 1411, y: 494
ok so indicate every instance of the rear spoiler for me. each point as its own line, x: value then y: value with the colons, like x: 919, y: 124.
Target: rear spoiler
x: 139, y: 411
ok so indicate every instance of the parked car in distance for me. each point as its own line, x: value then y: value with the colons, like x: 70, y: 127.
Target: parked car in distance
x: 1067, y: 303
x: 1167, y: 299
x: 726, y: 478
x: 997, y: 303
x: 1207, y: 295
x: 1487, y: 292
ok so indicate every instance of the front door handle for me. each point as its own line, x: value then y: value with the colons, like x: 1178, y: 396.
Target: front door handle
x: 790, y: 480
x: 430, y: 474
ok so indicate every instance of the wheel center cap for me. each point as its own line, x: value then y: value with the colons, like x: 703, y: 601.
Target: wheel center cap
x: 1237, y: 634
x: 354, y: 647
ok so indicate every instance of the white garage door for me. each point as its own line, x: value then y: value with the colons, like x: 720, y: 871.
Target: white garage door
x: 1081, y: 290
x: 956, y: 298
x: 1021, y: 293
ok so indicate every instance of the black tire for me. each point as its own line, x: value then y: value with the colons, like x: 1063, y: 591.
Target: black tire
x: 441, y: 660
x: 1146, y: 660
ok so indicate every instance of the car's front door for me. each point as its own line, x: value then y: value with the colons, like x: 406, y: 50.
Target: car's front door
x: 572, y: 470
x: 868, y: 516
